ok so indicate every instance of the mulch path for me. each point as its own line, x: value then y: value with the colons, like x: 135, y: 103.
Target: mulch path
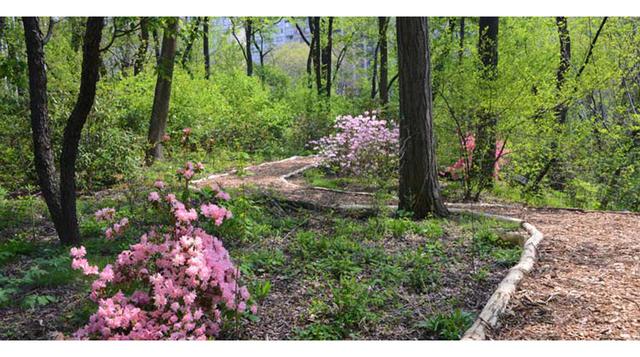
x: 586, y: 284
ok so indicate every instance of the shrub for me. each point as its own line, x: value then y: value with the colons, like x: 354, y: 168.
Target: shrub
x: 362, y: 145
x: 178, y: 282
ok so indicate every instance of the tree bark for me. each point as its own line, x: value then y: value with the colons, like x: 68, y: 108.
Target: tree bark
x: 141, y: 56
x: 193, y: 34
x: 461, y: 45
x: 248, y: 33
x: 156, y: 45
x: 205, y: 48
x: 419, y: 191
x: 326, y: 58
x: 486, y: 129
x: 162, y: 94
x: 315, y: 30
x: 40, y: 126
x: 374, y: 72
x: 60, y: 195
x: 563, y: 68
x: 2, y: 24
x: 73, y: 129
x: 383, y: 24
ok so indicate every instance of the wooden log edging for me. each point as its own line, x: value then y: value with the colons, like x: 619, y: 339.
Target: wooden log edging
x: 488, y: 318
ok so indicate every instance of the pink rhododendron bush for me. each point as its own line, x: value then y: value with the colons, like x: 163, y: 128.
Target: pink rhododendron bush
x: 177, y: 282
x: 361, y: 145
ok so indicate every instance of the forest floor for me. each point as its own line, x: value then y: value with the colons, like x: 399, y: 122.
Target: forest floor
x: 586, y: 284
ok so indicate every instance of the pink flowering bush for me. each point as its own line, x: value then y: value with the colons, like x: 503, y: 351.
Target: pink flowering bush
x: 463, y: 165
x: 361, y: 145
x: 177, y: 282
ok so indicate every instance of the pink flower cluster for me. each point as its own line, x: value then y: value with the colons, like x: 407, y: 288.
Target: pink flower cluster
x: 117, y: 229
x: 186, y: 132
x: 462, y: 165
x: 186, y: 282
x: 105, y: 214
x: 361, y: 145
x: 217, y: 213
x: 190, y: 169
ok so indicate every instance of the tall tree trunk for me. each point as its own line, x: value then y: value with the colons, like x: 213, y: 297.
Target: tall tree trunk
x: 565, y: 63
x: 186, y: 55
x: 326, y: 58
x: 141, y: 56
x: 40, y: 127
x: 60, y: 195
x: 75, y: 123
x: 486, y: 129
x: 317, y: 53
x: 205, y: 48
x: 419, y: 191
x: 383, y: 24
x: 374, y: 72
x: 248, y: 34
x: 311, y: 43
x: 162, y: 94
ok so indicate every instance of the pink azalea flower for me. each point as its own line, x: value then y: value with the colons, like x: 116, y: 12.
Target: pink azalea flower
x: 154, y: 197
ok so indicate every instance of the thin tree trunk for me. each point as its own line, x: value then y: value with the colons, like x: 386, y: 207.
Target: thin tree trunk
x: 205, y: 48
x: 40, y: 127
x: 461, y: 45
x: 2, y: 24
x: 563, y: 68
x: 162, y: 94
x: 326, y: 58
x: 141, y: 56
x: 383, y: 24
x: 156, y: 45
x: 419, y: 191
x: 317, y: 53
x: 186, y: 55
x: 374, y: 72
x: 248, y: 33
x: 86, y: 96
x: 486, y: 130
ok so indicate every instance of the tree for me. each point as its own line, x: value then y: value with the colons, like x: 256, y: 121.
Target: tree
x: 192, y: 33
x: 162, y: 95
x: 419, y: 191
x: 561, y: 109
x: 60, y: 195
x: 487, y: 118
x: 322, y: 53
x: 383, y: 24
x: 246, y: 47
x: 141, y: 56
x: 205, y: 48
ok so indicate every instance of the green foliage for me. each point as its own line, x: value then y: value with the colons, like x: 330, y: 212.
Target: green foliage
x: 36, y: 300
x: 422, y: 269
x: 350, y: 311
x: 448, y: 326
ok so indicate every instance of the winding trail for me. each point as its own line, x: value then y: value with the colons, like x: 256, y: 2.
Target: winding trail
x: 585, y: 285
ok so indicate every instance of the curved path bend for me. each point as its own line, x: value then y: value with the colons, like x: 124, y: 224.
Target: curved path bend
x: 585, y: 285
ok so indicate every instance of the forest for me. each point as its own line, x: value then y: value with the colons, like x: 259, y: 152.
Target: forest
x: 319, y: 178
